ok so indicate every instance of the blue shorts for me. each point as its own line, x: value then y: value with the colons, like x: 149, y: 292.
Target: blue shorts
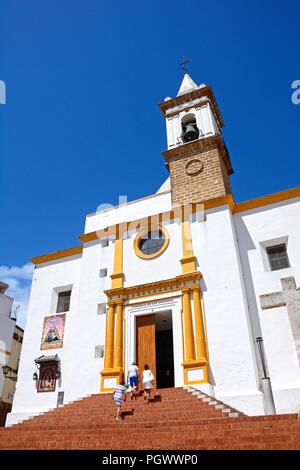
x: 133, y: 381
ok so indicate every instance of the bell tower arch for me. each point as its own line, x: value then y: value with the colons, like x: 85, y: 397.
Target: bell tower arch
x: 197, y: 157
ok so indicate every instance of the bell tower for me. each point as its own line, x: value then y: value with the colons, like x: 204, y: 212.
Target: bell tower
x: 197, y: 157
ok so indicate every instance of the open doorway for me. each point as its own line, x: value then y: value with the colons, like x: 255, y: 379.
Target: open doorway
x: 154, y: 346
x: 164, y: 350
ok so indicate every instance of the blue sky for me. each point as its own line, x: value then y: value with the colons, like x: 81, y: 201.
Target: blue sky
x: 81, y: 125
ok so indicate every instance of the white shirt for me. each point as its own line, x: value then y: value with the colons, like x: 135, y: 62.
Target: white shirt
x: 147, y: 375
x: 133, y: 371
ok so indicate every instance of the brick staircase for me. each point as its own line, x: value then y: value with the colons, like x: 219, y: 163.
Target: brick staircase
x: 174, y: 419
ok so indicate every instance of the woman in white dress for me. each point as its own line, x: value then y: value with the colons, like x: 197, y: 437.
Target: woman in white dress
x: 147, y: 382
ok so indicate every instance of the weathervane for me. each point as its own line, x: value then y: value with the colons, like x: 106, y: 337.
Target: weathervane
x: 183, y: 63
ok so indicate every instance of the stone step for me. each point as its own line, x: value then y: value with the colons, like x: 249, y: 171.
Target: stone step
x: 175, y: 419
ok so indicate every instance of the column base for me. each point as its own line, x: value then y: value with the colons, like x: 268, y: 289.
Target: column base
x: 195, y: 371
x: 110, y: 378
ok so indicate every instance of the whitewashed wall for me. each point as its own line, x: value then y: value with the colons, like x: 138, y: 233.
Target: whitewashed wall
x: 88, y: 326
x: 128, y: 212
x: 232, y: 363
x: 46, y: 278
x: 255, y: 228
x: 228, y: 252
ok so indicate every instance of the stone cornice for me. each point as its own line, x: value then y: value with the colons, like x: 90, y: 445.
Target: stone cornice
x: 76, y: 250
x: 154, y: 288
x: 267, y: 200
x: 200, y: 145
x: 205, y: 91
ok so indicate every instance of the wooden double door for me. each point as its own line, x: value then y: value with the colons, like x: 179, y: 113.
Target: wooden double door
x: 145, y: 344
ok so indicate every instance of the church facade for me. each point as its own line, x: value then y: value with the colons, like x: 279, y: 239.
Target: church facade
x: 202, y: 288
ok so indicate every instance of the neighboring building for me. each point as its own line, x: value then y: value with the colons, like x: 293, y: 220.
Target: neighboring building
x: 11, y: 337
x: 208, y: 294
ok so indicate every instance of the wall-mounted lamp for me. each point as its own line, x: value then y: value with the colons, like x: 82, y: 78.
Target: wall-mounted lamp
x: 6, y: 371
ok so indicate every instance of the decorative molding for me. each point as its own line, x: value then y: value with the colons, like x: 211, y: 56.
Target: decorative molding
x: 203, y: 144
x: 194, y: 167
x: 154, y: 288
x: 204, y: 92
x: 76, y: 250
x: 267, y: 200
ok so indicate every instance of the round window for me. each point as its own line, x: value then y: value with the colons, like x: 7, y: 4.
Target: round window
x: 152, y: 243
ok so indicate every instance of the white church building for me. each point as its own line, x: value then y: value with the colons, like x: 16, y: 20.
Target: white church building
x: 202, y: 288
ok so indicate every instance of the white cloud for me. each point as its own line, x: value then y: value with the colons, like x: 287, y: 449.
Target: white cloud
x: 25, y: 272
x: 19, y: 281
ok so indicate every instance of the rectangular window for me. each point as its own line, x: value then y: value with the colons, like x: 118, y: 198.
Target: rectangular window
x: 101, y: 310
x: 103, y: 272
x: 63, y: 301
x: 60, y: 398
x: 99, y: 352
x: 278, y: 257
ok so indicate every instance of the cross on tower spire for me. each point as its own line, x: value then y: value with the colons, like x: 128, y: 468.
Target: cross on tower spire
x: 183, y: 64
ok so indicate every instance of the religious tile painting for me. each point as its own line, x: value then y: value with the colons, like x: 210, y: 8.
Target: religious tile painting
x: 47, y: 378
x: 53, y: 332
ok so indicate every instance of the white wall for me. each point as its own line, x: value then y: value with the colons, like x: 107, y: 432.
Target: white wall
x: 126, y: 213
x: 47, y: 277
x: 232, y: 366
x: 228, y: 252
x: 89, y: 327
x: 165, y: 266
x: 253, y: 228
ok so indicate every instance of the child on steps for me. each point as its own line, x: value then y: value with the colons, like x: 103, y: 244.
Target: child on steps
x: 118, y: 397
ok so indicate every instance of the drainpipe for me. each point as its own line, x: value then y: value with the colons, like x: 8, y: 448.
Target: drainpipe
x: 265, y: 381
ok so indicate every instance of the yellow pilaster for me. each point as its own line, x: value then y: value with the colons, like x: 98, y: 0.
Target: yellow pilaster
x: 188, y: 326
x: 109, y: 340
x: 113, y: 360
x: 118, y: 359
x: 117, y: 277
x: 201, y: 351
x: 188, y: 260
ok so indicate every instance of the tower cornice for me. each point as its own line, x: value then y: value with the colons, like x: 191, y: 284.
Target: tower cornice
x: 202, y: 92
x: 200, y: 145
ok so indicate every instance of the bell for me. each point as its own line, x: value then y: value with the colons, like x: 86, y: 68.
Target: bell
x: 190, y: 133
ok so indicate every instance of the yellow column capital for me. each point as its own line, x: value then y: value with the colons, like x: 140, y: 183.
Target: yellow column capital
x: 186, y: 289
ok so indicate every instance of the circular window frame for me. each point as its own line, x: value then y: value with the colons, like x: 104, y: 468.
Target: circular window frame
x: 142, y: 233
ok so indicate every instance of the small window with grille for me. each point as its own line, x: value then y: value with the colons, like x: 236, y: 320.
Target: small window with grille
x: 63, y: 301
x: 104, y: 242
x: 103, y: 272
x: 99, y: 352
x: 278, y: 257
x: 101, y: 310
x: 60, y: 398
